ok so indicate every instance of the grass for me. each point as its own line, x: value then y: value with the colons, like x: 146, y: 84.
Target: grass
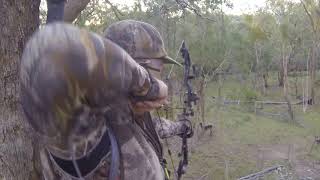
x: 244, y: 142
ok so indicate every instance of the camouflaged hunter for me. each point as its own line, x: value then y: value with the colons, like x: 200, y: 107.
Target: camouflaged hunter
x: 75, y: 87
x: 144, y: 44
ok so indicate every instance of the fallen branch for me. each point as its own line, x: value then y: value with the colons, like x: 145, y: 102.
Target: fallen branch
x: 262, y: 173
x: 203, y: 176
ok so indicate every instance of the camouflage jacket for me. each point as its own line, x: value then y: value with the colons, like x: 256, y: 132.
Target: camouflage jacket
x: 141, y: 154
x: 72, y: 82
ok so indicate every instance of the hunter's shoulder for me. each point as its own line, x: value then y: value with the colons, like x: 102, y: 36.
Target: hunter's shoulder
x: 64, y: 36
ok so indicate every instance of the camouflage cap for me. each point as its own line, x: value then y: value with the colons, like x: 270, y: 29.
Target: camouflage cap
x: 141, y: 40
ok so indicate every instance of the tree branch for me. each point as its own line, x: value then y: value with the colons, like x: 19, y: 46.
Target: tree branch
x: 185, y: 5
x: 309, y: 15
x: 115, y: 10
x: 73, y: 8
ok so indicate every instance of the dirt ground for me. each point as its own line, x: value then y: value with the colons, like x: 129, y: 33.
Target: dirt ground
x: 209, y: 157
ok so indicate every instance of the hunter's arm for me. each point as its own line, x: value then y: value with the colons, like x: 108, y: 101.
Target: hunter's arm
x: 66, y: 70
x: 127, y: 76
x: 166, y: 128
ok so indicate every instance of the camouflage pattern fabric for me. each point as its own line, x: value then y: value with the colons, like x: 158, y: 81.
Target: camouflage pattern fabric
x: 141, y: 40
x: 66, y: 72
x: 72, y: 82
x: 167, y: 128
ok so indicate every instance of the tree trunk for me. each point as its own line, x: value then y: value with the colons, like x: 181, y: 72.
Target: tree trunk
x: 168, y: 31
x: 201, y: 93
x: 313, y: 65
x: 280, y: 75
x: 285, y: 60
x: 18, y: 20
x: 258, y: 69
x: 265, y: 80
x: 296, y: 85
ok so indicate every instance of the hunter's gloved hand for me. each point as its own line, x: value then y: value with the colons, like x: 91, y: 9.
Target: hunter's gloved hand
x: 155, y: 98
x: 186, y: 128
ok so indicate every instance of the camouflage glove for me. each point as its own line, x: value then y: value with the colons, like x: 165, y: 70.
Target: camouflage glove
x: 155, y: 98
x: 152, y: 93
x: 186, y: 128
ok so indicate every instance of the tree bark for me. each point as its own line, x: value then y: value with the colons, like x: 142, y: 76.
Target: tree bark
x: 18, y: 20
x: 73, y: 8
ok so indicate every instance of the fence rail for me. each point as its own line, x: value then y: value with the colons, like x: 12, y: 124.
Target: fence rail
x: 226, y: 102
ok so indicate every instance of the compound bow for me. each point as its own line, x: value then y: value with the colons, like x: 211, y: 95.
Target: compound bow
x: 190, y: 98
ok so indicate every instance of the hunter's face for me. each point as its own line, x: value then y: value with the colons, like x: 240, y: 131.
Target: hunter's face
x: 155, y: 67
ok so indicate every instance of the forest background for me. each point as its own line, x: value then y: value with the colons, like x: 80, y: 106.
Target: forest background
x: 257, y: 73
